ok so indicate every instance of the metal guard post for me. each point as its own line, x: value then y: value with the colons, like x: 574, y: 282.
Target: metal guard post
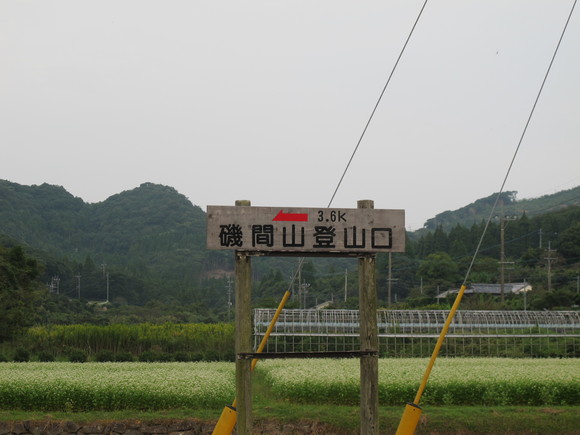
x: 282, y: 355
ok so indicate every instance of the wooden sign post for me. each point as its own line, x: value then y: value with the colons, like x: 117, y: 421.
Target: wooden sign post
x: 369, y: 365
x: 243, y: 341
x: 362, y: 232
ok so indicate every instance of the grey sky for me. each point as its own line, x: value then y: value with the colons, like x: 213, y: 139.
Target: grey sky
x: 265, y: 100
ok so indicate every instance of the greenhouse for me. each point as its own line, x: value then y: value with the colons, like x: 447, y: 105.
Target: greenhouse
x: 413, y: 333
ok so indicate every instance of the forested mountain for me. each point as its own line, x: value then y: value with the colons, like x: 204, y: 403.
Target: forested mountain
x: 151, y: 240
x: 508, y: 205
x: 50, y: 218
x: 144, y: 249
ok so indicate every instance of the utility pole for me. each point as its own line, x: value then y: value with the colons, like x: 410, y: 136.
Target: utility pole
x: 549, y: 259
x: 389, y: 281
x: 525, y: 294
x: 345, y: 284
x: 229, y: 294
x: 106, y: 274
x: 78, y: 277
x: 304, y: 286
x: 300, y: 286
x: 502, y: 261
x: 55, y: 284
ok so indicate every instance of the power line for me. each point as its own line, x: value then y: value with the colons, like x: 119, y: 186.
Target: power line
x: 463, y: 286
x: 519, y: 142
x: 376, y: 105
x: 301, y: 260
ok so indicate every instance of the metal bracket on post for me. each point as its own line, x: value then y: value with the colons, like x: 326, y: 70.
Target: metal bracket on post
x: 308, y: 355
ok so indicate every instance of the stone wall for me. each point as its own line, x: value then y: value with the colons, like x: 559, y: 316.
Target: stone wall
x: 133, y: 427
x: 165, y: 427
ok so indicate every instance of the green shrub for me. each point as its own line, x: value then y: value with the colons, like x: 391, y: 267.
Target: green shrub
x: 45, y: 356
x: 181, y: 357
x: 124, y: 357
x: 167, y: 337
x: 229, y: 355
x: 211, y: 355
x: 197, y: 356
x: 77, y: 355
x: 2, y: 358
x: 164, y: 357
x: 148, y: 356
x: 152, y: 356
x: 105, y: 356
x: 21, y: 355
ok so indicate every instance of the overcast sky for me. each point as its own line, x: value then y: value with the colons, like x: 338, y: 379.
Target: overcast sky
x: 265, y: 100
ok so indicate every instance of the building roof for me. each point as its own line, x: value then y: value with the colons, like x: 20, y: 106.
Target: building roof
x: 492, y: 289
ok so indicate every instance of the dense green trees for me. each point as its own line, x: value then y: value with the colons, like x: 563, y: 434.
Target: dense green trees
x: 538, y: 249
x: 440, y: 271
x: 25, y: 300
x: 151, y: 240
x: 569, y: 243
x: 148, y: 245
x: 18, y: 291
x: 507, y: 205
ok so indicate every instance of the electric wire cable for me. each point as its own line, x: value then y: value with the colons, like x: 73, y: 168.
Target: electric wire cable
x: 301, y: 260
x: 377, y: 104
x: 463, y: 286
x: 519, y: 143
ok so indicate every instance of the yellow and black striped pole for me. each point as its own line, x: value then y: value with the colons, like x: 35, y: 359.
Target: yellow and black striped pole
x: 412, y: 412
x: 229, y: 416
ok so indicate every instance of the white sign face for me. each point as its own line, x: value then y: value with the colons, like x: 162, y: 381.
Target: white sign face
x: 306, y: 230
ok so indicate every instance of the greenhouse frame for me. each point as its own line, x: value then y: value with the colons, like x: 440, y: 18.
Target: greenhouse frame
x: 413, y: 333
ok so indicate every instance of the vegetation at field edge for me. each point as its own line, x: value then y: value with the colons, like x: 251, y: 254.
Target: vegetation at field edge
x: 472, y: 420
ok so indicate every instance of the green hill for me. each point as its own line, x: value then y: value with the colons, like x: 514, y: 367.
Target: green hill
x: 508, y: 205
x: 151, y: 238
x: 147, y: 246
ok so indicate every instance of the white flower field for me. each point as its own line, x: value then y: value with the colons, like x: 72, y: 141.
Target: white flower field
x: 199, y: 385
x: 453, y: 381
x: 112, y: 386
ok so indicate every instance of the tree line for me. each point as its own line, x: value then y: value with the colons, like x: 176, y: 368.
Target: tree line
x: 140, y: 256
x: 543, y: 250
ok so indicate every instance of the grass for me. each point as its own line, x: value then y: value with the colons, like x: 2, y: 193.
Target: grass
x: 448, y: 420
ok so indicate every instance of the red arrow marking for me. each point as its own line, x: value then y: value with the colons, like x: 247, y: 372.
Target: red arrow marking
x: 291, y: 217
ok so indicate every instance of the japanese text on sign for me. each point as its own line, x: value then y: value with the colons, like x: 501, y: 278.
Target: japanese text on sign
x: 305, y: 230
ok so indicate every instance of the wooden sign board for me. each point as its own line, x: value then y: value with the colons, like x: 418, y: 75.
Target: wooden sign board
x: 305, y: 230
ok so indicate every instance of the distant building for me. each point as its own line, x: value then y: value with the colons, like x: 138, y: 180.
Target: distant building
x: 323, y: 305
x: 491, y: 289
